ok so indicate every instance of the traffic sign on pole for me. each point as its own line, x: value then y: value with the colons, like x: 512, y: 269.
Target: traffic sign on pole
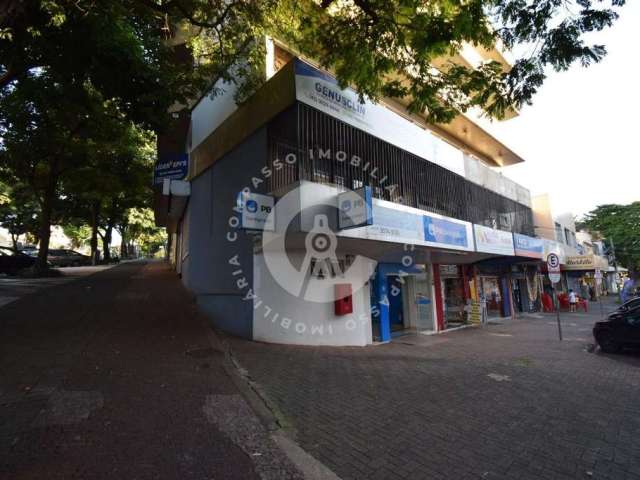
x: 553, y: 269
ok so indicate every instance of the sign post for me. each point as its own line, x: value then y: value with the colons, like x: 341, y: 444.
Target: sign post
x: 553, y: 270
x: 598, y: 278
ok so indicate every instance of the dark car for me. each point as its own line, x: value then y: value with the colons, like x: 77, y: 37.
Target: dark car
x: 12, y: 261
x: 620, y: 330
x: 629, y: 305
x: 68, y: 258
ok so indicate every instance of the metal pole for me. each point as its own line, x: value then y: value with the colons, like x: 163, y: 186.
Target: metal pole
x: 558, y: 313
x: 615, y: 264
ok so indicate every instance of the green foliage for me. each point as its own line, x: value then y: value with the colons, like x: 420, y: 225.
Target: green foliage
x: 121, y: 47
x: 142, y: 230
x: 78, y: 234
x: 620, y: 223
x: 18, y: 211
x: 368, y: 43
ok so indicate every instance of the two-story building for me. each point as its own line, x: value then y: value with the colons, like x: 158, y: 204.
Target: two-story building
x: 310, y: 217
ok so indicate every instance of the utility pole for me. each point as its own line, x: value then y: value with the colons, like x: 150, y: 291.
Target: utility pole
x: 615, y: 265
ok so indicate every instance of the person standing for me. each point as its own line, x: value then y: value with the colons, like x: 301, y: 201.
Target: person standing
x: 573, y: 300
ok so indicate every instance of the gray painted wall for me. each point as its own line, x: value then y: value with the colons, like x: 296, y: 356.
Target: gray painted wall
x: 206, y: 270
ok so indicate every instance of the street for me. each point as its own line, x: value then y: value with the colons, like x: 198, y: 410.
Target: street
x: 116, y: 375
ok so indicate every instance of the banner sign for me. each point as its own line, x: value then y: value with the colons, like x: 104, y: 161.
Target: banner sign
x: 355, y: 208
x: 406, y: 224
x: 489, y: 240
x: 255, y: 210
x: 321, y: 91
x: 526, y: 246
x: 585, y: 262
x: 441, y: 230
x: 175, y: 167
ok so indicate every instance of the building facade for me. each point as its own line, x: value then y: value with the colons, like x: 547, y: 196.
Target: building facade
x: 309, y: 217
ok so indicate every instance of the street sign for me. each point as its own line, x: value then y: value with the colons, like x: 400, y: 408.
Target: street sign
x: 553, y: 267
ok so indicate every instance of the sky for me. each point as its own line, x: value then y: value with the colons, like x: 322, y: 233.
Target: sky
x: 579, y: 138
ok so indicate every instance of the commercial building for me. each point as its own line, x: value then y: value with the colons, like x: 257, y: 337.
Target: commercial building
x: 308, y: 217
x: 582, y: 259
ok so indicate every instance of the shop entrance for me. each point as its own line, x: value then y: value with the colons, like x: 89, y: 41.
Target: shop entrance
x: 396, y: 311
x: 492, y: 295
x: 400, y: 301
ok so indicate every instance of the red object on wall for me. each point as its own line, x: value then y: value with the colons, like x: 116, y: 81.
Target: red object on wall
x: 438, y: 292
x: 343, y: 299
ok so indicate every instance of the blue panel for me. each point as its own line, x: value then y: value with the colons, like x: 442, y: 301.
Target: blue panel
x: 440, y: 230
x: 528, y: 246
x: 174, y: 166
x: 395, y: 301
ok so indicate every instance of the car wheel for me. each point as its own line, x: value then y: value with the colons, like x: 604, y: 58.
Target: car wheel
x: 607, y: 343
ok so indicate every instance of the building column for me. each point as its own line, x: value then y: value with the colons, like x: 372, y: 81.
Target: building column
x: 383, y: 304
x: 437, y: 287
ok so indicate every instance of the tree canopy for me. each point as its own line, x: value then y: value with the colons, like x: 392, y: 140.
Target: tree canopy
x: 620, y: 223
x: 123, y: 46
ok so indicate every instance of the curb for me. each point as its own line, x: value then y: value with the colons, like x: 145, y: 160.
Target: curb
x: 280, y: 431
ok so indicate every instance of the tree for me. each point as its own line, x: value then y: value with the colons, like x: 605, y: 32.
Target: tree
x: 620, y: 224
x: 68, y: 71
x: 366, y: 42
x: 19, y: 212
x: 390, y: 47
x: 142, y: 231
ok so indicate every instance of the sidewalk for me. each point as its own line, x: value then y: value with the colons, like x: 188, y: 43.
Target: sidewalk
x: 503, y: 402
x: 114, y: 376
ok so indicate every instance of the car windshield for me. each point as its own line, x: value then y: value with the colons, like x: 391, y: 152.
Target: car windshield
x: 631, y: 304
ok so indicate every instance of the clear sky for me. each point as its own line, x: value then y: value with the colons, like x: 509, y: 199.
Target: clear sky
x: 580, y: 137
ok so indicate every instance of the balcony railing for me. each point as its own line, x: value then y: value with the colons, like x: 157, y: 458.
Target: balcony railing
x: 305, y: 144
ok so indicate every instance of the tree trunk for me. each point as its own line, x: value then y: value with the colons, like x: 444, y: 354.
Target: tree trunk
x: 95, y: 212
x: 123, y: 242
x: 106, y: 243
x: 44, y: 233
x: 14, y: 240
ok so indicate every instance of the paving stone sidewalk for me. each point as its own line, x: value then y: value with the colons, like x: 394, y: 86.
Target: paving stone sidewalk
x: 505, y: 402
x: 114, y: 376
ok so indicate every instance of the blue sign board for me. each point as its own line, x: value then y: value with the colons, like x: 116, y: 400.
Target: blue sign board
x: 528, y: 246
x: 355, y: 208
x: 440, y: 230
x: 175, y: 167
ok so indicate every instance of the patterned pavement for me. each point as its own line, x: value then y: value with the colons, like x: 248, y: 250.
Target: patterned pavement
x: 505, y: 402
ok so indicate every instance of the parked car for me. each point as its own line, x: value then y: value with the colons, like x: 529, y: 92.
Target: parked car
x: 68, y: 258
x: 30, y: 250
x: 620, y: 330
x: 12, y: 261
x: 628, y: 305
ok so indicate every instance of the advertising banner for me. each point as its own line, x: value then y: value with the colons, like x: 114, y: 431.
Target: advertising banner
x: 355, y: 208
x: 255, y: 211
x: 443, y: 231
x: 174, y: 167
x: 490, y: 240
x: 526, y: 246
x: 585, y: 262
x: 321, y: 91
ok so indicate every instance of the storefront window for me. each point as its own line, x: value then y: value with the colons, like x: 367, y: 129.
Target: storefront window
x: 491, y: 292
